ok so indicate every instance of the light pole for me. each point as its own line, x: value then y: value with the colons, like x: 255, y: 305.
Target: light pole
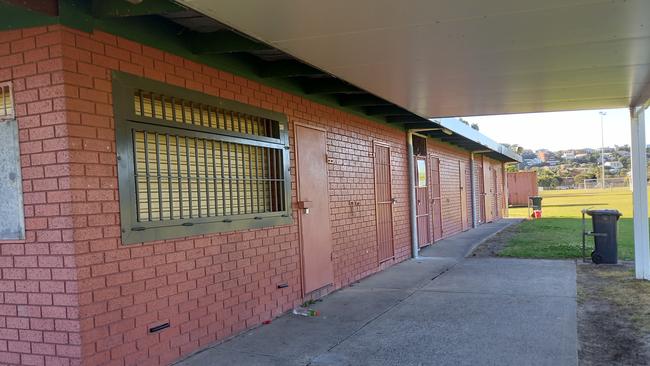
x: 602, y: 149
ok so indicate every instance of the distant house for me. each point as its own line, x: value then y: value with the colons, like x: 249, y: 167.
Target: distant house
x: 544, y: 155
x: 569, y: 155
x: 613, y: 165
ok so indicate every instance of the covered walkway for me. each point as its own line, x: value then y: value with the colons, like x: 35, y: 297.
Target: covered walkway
x: 442, y: 309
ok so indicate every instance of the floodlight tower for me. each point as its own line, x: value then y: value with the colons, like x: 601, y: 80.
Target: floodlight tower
x: 602, y: 149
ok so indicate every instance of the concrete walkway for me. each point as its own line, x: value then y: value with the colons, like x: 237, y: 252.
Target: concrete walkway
x: 437, y: 310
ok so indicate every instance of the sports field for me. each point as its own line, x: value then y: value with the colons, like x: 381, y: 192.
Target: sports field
x: 558, y: 233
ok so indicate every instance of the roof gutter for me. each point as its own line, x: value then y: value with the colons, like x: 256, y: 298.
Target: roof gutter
x: 459, y: 128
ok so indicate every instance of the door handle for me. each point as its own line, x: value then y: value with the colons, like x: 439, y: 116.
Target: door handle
x: 393, y: 200
x: 305, y: 206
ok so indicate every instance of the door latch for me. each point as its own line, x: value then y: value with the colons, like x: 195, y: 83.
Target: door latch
x: 305, y: 206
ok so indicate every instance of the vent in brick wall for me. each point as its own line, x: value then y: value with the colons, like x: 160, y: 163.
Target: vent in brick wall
x: 6, y: 101
x: 187, y: 112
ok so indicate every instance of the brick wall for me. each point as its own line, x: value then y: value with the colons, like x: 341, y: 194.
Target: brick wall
x: 38, y: 290
x: 208, y: 287
x: 71, y: 291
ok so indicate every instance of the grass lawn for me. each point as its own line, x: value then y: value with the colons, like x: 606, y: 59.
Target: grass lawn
x: 558, y: 233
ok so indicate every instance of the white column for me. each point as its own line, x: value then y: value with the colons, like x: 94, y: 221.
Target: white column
x: 640, y: 194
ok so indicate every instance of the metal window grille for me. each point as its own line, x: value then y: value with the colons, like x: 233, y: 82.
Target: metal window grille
x: 181, y: 177
x: 184, y: 111
x: 190, y: 163
x: 6, y: 101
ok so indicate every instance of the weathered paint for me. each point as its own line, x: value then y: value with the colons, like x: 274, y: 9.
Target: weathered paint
x: 12, y: 226
x: 521, y: 185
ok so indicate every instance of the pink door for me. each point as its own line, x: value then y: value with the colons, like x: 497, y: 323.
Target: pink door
x: 384, y: 202
x: 313, y: 203
x: 422, y: 201
x: 462, y: 167
x: 481, y: 186
x: 436, y: 199
x: 496, y: 194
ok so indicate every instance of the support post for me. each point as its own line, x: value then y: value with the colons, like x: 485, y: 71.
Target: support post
x: 640, y: 194
x: 415, y: 247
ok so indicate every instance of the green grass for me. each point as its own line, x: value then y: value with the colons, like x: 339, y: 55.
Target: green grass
x: 558, y: 234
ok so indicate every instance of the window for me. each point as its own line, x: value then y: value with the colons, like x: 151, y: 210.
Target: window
x: 189, y: 163
x: 12, y: 225
x: 6, y: 102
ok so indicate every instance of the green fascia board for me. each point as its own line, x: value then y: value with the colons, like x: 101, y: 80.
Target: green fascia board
x: 221, y: 42
x: 362, y: 101
x: 14, y: 17
x: 123, y: 8
x: 385, y: 110
x: 288, y: 68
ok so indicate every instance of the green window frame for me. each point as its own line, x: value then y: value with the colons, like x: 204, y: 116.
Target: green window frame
x: 190, y: 163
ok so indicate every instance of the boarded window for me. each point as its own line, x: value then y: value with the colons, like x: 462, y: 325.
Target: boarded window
x: 191, y: 163
x: 12, y: 225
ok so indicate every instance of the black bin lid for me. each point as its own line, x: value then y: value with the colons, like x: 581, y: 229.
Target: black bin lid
x: 616, y: 213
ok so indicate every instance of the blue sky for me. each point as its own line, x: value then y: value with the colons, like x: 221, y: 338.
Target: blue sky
x: 559, y: 130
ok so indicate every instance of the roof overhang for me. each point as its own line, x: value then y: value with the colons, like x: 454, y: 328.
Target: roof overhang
x: 173, y: 27
x: 462, y: 58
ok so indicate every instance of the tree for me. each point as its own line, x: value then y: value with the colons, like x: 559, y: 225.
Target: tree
x: 547, y: 178
x: 512, y: 168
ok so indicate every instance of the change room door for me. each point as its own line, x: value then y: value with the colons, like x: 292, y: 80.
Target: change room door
x: 436, y: 198
x: 422, y: 201
x: 313, y: 203
x: 462, y: 166
x: 384, y: 201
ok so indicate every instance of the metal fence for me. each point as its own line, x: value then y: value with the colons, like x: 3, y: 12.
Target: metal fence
x: 609, y: 183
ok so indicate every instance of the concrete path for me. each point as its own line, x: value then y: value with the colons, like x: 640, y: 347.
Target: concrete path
x: 461, y: 245
x: 443, y: 310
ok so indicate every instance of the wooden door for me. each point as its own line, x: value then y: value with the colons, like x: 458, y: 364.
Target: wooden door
x: 462, y: 177
x: 487, y: 196
x: 313, y: 201
x: 496, y: 193
x: 422, y: 201
x: 436, y: 198
x: 384, y: 202
x: 481, y: 187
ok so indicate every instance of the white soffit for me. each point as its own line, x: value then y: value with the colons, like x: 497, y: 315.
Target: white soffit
x: 441, y: 58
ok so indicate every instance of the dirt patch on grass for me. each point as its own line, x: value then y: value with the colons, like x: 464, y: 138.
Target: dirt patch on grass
x: 613, y: 315
x: 492, y: 246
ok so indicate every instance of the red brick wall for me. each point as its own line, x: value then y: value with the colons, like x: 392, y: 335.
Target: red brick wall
x: 450, y: 157
x: 38, y: 290
x: 72, y: 291
x: 209, y: 287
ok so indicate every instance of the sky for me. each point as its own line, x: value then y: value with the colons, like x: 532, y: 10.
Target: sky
x: 558, y: 130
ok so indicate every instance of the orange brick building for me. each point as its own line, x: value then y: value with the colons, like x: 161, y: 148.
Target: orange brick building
x: 174, y: 198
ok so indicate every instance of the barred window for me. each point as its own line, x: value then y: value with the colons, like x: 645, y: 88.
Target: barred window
x: 6, y: 102
x: 191, y: 163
